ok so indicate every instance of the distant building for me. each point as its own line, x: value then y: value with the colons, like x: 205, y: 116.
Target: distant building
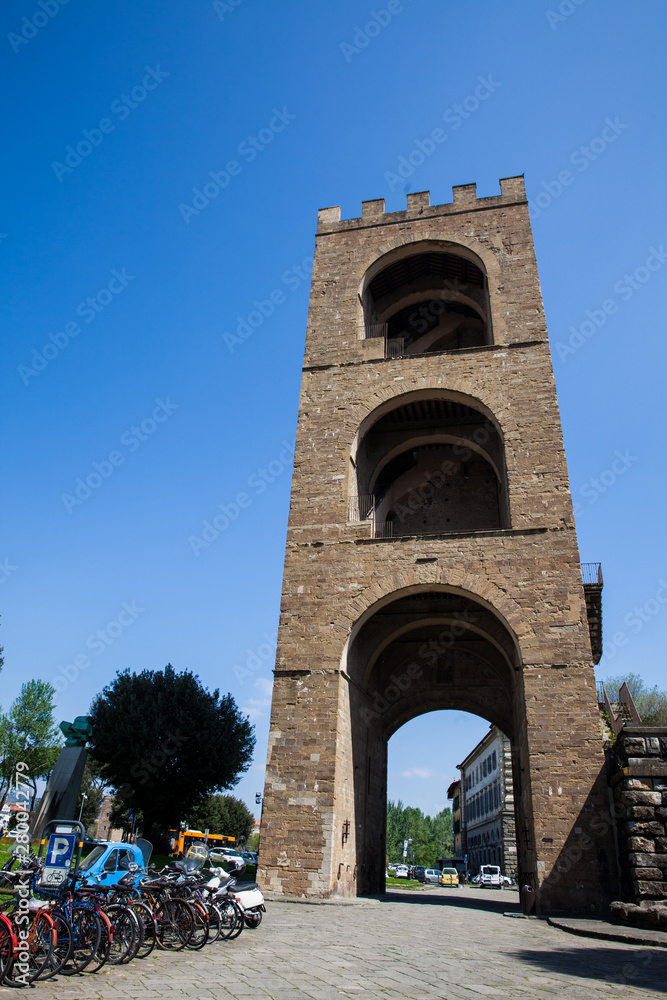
x: 486, y: 805
x: 104, y: 830
x: 454, y: 793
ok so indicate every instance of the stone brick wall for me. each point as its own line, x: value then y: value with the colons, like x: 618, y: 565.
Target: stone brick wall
x: 638, y: 766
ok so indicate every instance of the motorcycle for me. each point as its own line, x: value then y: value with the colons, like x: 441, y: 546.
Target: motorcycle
x: 247, y: 895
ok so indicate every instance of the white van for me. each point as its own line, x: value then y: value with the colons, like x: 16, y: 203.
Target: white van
x: 490, y: 877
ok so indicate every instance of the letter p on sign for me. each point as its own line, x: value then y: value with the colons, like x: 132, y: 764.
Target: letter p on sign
x: 61, y: 849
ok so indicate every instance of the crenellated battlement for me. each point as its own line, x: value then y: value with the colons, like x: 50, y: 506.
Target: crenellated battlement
x: 464, y: 198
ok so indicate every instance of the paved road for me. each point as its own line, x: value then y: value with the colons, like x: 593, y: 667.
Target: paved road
x: 438, y: 943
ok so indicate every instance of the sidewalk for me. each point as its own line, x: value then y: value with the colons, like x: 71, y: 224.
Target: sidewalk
x: 606, y: 931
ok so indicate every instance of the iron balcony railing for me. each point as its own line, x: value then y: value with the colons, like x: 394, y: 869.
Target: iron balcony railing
x: 394, y: 347
x: 373, y: 330
x: 591, y: 574
x: 360, y: 508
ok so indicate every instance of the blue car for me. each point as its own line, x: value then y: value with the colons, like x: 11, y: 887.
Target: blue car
x: 110, y: 861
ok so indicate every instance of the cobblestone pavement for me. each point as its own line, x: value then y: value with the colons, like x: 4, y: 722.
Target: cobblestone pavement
x: 441, y: 943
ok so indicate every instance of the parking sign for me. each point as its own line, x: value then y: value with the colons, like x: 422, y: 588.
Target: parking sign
x: 59, y: 856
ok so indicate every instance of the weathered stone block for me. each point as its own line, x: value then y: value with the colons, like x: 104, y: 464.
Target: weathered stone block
x: 644, y: 829
x: 640, y: 812
x: 647, y: 874
x: 632, y: 746
x: 648, y: 859
x: 656, y: 890
x: 641, y: 798
x: 636, y: 784
x: 640, y: 844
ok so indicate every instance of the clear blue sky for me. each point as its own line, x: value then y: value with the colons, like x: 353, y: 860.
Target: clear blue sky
x: 169, y: 93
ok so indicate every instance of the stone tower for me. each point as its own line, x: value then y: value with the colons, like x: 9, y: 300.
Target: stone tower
x: 431, y: 556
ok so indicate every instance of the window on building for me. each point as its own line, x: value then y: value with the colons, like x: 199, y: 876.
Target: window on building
x: 494, y: 760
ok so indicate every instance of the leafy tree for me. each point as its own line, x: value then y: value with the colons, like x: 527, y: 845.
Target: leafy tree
x: 165, y: 742
x: 253, y: 841
x: 28, y: 734
x: 121, y: 817
x: 223, y: 814
x: 651, y: 702
x: 432, y: 837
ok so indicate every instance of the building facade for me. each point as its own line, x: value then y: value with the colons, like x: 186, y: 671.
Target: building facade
x: 454, y: 793
x: 488, y: 828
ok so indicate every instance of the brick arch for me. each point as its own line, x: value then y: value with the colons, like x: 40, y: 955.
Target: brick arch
x: 436, y: 236
x: 431, y: 386
x: 425, y: 577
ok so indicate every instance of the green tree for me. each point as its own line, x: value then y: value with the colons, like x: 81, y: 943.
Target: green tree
x: 164, y: 743
x: 651, y: 702
x: 432, y: 837
x: 223, y: 814
x: 28, y: 735
x: 122, y: 818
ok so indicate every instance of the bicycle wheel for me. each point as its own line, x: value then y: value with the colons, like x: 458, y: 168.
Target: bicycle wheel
x: 175, y: 923
x: 148, y: 928
x: 106, y: 938
x: 215, y: 922
x: 86, y: 940
x: 62, y: 949
x: 126, y: 934
x: 31, y: 961
x: 6, y: 952
x: 232, y: 918
x: 200, y: 931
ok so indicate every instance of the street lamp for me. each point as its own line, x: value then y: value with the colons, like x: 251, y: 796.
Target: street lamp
x: 83, y: 799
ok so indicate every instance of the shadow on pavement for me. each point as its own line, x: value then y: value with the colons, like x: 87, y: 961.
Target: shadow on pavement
x: 640, y: 967
x: 503, y: 904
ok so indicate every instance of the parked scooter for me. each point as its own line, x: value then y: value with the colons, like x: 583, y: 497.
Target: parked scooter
x: 247, y: 895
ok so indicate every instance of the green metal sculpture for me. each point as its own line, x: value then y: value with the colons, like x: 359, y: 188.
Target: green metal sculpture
x: 79, y: 732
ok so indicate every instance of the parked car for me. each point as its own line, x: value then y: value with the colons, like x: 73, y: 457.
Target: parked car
x: 506, y: 881
x: 401, y: 871
x: 417, y: 872
x: 449, y: 876
x: 432, y: 876
x: 227, y: 856
x: 489, y: 877
x: 109, y: 861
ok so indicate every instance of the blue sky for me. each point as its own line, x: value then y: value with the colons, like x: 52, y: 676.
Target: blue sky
x: 123, y: 362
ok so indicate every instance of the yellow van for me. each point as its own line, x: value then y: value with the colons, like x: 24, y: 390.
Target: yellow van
x: 450, y: 877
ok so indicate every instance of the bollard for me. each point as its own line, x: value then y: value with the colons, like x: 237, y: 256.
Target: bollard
x: 528, y: 901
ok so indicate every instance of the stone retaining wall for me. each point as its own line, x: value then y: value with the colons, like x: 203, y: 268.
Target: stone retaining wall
x: 638, y: 778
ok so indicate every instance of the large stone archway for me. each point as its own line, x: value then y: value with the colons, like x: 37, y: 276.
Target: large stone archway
x: 423, y: 651
x: 369, y: 606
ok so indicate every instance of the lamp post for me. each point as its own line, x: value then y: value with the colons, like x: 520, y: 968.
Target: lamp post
x: 83, y: 799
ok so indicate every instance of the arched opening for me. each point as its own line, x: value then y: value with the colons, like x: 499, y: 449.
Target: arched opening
x: 425, y: 465
x: 427, y: 299
x: 456, y: 769
x: 419, y: 651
